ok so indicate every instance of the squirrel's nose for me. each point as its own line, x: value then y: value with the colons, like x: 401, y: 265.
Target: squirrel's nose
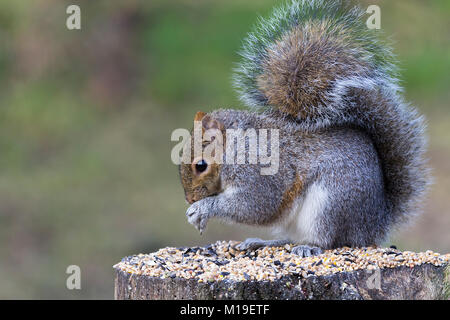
x: 190, y: 199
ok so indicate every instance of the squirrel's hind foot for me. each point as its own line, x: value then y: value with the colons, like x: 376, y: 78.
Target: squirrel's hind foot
x: 306, y: 251
x: 256, y: 243
x: 252, y: 244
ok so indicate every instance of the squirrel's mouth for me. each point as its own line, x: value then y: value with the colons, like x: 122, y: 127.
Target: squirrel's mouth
x: 190, y: 199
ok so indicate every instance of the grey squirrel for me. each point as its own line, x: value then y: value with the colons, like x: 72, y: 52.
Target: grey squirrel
x: 351, y: 164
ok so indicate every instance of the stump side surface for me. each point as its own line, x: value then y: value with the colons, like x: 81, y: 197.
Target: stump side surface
x: 420, y: 282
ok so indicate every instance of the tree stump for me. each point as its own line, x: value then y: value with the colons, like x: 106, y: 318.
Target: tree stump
x: 218, y: 271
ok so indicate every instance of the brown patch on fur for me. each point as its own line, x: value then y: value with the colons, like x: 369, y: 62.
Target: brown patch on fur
x: 289, y: 196
x: 302, y: 65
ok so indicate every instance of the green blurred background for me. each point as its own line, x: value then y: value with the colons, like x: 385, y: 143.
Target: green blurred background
x: 86, y: 117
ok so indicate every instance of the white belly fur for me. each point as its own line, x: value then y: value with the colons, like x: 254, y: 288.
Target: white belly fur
x: 301, y: 220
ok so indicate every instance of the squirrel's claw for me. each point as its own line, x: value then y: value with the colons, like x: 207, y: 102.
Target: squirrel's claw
x: 197, y: 217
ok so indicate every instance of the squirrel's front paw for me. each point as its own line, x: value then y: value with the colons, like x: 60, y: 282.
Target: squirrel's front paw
x: 198, y: 216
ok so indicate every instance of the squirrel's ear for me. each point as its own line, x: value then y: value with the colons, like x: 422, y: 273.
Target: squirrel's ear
x: 209, y: 122
x: 199, y: 116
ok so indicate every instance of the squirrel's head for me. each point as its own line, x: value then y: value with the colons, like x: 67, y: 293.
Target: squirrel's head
x: 201, y: 177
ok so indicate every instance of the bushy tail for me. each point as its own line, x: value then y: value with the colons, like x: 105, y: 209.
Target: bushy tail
x: 316, y: 62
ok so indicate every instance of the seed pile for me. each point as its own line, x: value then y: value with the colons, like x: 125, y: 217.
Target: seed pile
x: 220, y: 261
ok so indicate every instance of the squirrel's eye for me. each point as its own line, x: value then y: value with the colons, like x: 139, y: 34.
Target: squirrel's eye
x: 201, y: 166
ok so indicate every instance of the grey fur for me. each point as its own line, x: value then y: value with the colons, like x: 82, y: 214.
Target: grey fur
x: 344, y: 159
